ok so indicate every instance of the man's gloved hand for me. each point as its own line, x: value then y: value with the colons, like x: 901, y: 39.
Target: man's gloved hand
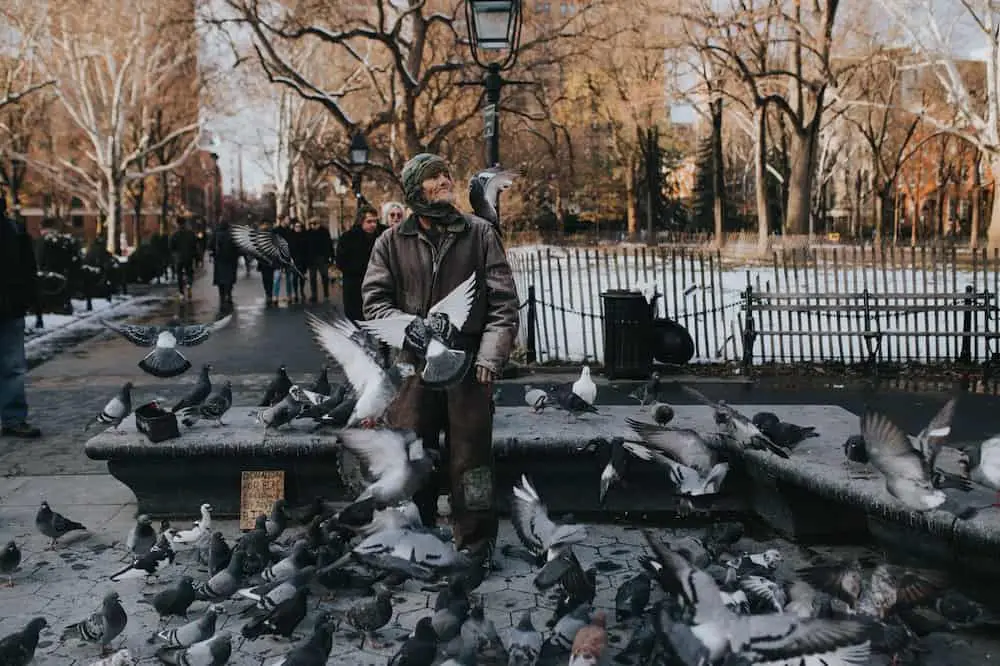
x: 416, y: 337
x: 441, y: 327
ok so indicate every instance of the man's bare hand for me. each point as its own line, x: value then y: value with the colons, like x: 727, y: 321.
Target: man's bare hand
x: 484, y: 375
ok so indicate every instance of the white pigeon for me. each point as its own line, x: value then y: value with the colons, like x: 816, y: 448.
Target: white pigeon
x: 585, y: 386
x: 443, y: 364
x: 647, y: 289
x: 485, y: 188
x: 534, y: 527
x: 201, y: 529
x: 537, y: 399
x: 396, y: 459
x: 374, y: 385
x: 121, y: 658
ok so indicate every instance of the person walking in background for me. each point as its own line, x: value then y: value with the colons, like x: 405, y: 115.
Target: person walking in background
x: 225, y: 258
x: 320, y: 250
x: 282, y: 229
x: 298, y: 244
x: 392, y: 213
x: 18, y: 293
x: 353, y: 252
x: 183, y: 247
x: 266, y: 271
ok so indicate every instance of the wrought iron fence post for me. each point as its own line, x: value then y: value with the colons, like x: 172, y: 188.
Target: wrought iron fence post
x: 873, y: 337
x: 532, y: 351
x: 965, y: 356
x: 749, y: 328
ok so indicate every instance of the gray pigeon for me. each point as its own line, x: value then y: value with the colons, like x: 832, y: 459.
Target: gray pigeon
x: 648, y: 392
x: 479, y: 630
x: 142, y: 537
x: 282, y: 570
x: 525, y: 643
x: 568, y: 401
x: 103, y: 626
x: 201, y: 390
x: 560, y: 641
x: 214, y: 408
x: 165, y: 361
x: 267, y: 246
x: 662, y: 413
x: 322, y: 383
x: 225, y: 583
x: 316, y: 650
x: 54, y: 525
x: 370, y: 615
x: 535, y: 529
x: 271, y: 595
x: 10, y: 560
x: 737, y: 427
x: 282, y: 413
x: 374, y: 385
x: 117, y: 409
x: 18, y: 649
x: 174, y: 600
x: 277, y: 389
x: 906, y: 475
x: 684, y: 445
x: 394, y: 458
x: 214, y: 651
x: 193, y: 632
x: 485, y: 188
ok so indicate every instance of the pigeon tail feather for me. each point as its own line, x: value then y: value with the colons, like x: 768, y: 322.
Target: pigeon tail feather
x: 165, y: 363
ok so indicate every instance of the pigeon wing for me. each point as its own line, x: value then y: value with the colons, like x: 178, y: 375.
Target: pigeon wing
x: 497, y: 181
x: 336, y: 339
x: 143, y: 336
x: 531, y: 519
x: 694, y: 585
x: 684, y: 446
x: 456, y: 305
x: 781, y: 636
x: 916, y: 586
x: 390, y: 330
x: 195, y: 334
x: 255, y: 242
x: 700, y: 397
x: 889, y: 447
x: 383, y: 451
x: 934, y: 436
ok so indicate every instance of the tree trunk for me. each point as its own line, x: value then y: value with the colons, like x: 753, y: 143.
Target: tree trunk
x: 760, y: 182
x: 881, y: 208
x: 113, y: 224
x: 800, y: 179
x: 164, y: 201
x: 718, y: 175
x: 975, y: 211
x: 631, y: 211
x: 993, y: 231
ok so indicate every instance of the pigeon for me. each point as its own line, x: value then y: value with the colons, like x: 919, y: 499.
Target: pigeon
x: 214, y: 651
x: 280, y: 620
x: 535, y: 398
x: 614, y: 470
x: 122, y: 657
x: 681, y: 444
x: 219, y: 554
x: 444, y: 366
x: 485, y: 188
x: 316, y: 650
x: 466, y: 657
x: 200, y: 530
x: 525, y: 645
x: 419, y: 648
x: 764, y: 637
x: 225, y: 583
x: 333, y: 412
x: 567, y: 400
x: 409, y: 546
x: 148, y: 564
x: 322, y: 383
x: 10, y: 560
x: 271, y: 595
x: 396, y: 459
x: 214, y: 408
x: 906, y: 475
x: 193, y: 632
x: 781, y: 432
x: 590, y: 642
x: 736, y: 426
x: 560, y: 641
x: 585, y: 386
x: 277, y: 389
x: 267, y: 246
x: 981, y: 463
x: 662, y: 413
x: 632, y: 597
x: 648, y: 392
x: 370, y: 615
x: 283, y: 569
x: 535, y: 529
x: 117, y: 409
x: 201, y: 390
x: 374, y: 386
x: 686, y: 480
x: 282, y: 413
x: 18, y: 649
x: 103, y: 626
x: 480, y: 631
x: 54, y: 525
x: 174, y: 600
x: 277, y: 521
x: 165, y: 361
x: 142, y: 537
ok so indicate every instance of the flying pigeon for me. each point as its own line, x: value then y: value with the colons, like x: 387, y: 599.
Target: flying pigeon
x: 614, y: 470
x: 737, y: 427
x: 446, y: 318
x: 214, y: 408
x: 117, y: 409
x: 165, y: 361
x: 54, y: 525
x: 681, y: 444
x: 394, y: 458
x: 18, y: 649
x: 585, y: 386
x: 536, y: 530
x: 374, y: 385
x: 906, y: 475
x: 202, y: 389
x: 266, y: 246
x: 485, y: 188
x: 686, y: 480
x: 103, y: 626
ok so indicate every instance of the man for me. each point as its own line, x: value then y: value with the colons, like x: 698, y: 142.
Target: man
x: 282, y: 229
x: 353, y: 252
x: 413, y: 265
x: 298, y: 245
x: 18, y: 292
x: 183, y: 247
x: 320, y: 252
x: 226, y: 259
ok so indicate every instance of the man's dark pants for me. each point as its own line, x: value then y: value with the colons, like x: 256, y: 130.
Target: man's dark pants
x: 267, y: 278
x: 184, y: 271
x: 463, y: 414
x: 13, y: 368
x: 319, y: 271
x: 352, y: 297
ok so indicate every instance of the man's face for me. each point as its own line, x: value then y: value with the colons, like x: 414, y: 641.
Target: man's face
x: 369, y: 223
x: 298, y: 227
x: 438, y: 188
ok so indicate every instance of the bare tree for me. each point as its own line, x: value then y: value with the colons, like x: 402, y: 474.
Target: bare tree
x: 109, y: 78
x: 22, y: 21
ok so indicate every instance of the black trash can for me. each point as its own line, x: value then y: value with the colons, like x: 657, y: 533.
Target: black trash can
x: 628, y: 335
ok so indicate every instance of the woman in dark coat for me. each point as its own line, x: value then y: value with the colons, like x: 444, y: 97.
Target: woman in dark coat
x: 225, y: 258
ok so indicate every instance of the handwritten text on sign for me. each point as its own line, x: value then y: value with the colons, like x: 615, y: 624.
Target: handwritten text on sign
x: 258, y: 492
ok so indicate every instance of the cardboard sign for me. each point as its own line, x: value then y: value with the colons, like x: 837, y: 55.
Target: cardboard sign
x: 258, y: 492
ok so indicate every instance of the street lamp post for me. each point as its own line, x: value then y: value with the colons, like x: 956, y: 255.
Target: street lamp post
x: 358, y: 158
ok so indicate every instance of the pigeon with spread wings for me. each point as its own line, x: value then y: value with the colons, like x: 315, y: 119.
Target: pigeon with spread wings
x: 485, y: 188
x: 374, y: 385
x: 265, y: 245
x: 444, y: 366
x: 165, y: 361
x: 907, y: 477
x: 735, y: 426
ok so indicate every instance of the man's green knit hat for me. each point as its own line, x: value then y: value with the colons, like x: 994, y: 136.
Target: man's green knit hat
x: 418, y: 169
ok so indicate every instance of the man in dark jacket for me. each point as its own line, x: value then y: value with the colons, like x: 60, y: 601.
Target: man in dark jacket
x: 353, y: 252
x: 225, y: 260
x: 413, y: 266
x: 266, y: 271
x: 18, y: 293
x: 183, y: 247
x: 298, y: 245
x: 320, y: 254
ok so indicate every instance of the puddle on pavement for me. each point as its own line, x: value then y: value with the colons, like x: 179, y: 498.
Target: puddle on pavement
x: 604, y: 566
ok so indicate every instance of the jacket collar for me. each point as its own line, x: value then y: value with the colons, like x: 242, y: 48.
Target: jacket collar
x: 410, y: 226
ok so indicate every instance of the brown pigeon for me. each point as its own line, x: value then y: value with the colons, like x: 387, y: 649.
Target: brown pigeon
x: 590, y: 642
